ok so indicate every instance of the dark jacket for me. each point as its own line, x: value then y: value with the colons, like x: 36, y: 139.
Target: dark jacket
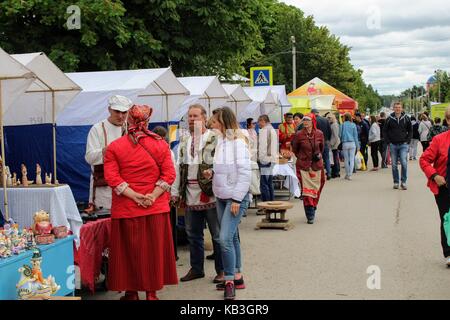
x: 398, y: 130
x: 416, y: 134
x: 324, y: 126
x: 363, y: 131
x: 382, y: 122
x: 304, y: 148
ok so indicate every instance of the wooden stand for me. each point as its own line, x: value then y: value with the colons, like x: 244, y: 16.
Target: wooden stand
x: 272, y: 208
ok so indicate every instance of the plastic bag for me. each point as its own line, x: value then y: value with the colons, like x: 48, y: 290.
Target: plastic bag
x: 446, y: 224
x: 359, y: 159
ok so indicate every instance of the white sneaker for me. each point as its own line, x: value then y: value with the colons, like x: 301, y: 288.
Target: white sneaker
x: 447, y: 261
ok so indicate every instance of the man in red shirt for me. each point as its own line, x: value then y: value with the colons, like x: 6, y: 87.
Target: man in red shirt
x: 434, y: 164
x: 287, y: 131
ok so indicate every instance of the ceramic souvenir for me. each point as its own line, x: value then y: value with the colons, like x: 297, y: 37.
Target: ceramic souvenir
x: 38, y: 175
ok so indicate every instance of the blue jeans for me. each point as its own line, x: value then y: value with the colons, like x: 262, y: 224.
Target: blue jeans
x: 399, y: 151
x: 326, y: 159
x: 229, y: 236
x: 266, y: 183
x: 195, y: 224
x: 349, y: 151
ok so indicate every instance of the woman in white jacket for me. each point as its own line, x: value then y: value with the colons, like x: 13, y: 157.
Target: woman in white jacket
x: 231, y: 176
x: 424, y: 128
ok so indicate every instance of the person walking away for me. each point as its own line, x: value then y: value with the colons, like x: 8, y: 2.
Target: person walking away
x: 435, y: 163
x: 398, y: 134
x: 384, y: 147
x: 415, y: 139
x: 267, y: 157
x: 308, y: 147
x: 350, y: 144
x: 363, y: 135
x: 139, y: 168
x: 193, y: 192
x: 436, y: 129
x: 374, y: 142
x: 335, y: 141
x: 324, y: 126
x: 424, y: 128
x: 231, y: 176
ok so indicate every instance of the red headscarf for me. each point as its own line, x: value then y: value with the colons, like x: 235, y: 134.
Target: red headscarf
x: 313, y: 119
x: 138, y: 117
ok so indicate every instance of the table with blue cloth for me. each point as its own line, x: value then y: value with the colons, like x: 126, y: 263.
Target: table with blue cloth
x: 58, y: 201
x: 57, y: 261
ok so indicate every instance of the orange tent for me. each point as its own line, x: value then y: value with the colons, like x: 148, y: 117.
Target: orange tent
x: 316, y: 86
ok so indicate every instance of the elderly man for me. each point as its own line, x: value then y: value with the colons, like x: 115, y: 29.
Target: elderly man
x: 434, y: 163
x: 100, y: 136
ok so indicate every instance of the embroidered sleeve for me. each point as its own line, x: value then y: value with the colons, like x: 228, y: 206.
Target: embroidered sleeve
x: 121, y: 188
x: 163, y: 185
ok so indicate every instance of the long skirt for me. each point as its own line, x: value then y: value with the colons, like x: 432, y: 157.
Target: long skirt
x: 141, y: 254
x: 310, y: 201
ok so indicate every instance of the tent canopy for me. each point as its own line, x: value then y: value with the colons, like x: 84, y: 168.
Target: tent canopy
x: 157, y: 87
x: 265, y: 101
x: 36, y: 105
x: 318, y: 87
x: 15, y: 79
x: 238, y: 101
x: 206, y: 91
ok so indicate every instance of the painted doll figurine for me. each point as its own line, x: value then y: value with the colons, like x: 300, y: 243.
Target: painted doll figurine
x: 42, y: 223
x: 24, y: 175
x: 38, y: 174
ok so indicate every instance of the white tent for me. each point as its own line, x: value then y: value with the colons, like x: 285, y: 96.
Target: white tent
x: 47, y: 96
x: 158, y: 88
x: 265, y: 101
x: 238, y: 101
x: 14, y: 80
x: 206, y: 91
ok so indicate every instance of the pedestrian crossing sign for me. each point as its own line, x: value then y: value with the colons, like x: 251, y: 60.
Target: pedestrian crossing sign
x: 261, y: 76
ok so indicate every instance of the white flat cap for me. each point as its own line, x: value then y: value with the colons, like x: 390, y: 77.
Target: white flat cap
x: 120, y: 103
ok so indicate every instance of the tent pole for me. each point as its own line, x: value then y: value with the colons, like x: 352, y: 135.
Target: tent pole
x: 167, y: 110
x: 54, y: 136
x: 3, y: 157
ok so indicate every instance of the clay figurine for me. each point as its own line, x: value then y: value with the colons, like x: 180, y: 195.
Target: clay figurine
x: 38, y: 174
x: 42, y: 223
x: 48, y: 179
x: 9, y: 182
x: 32, y: 284
x: 14, y: 179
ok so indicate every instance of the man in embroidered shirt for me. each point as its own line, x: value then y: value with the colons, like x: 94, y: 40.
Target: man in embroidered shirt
x: 100, y: 136
x: 192, y: 190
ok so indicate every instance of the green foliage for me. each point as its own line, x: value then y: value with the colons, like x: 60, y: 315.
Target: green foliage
x: 195, y: 37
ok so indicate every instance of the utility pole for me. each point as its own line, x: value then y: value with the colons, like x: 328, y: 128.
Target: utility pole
x: 294, y: 73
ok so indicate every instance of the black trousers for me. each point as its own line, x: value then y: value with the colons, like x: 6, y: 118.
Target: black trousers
x: 425, y: 145
x: 374, y: 149
x: 364, y: 151
x: 383, y: 151
x: 443, y: 203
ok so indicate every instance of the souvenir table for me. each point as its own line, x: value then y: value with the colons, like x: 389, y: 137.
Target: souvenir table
x: 291, y: 182
x: 23, y: 202
x: 57, y: 260
x: 94, y: 239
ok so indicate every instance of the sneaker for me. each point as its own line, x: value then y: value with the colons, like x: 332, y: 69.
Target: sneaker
x: 447, y: 261
x: 238, y: 284
x: 230, y: 291
x: 348, y: 178
x: 396, y: 186
x: 310, y: 221
x: 404, y: 187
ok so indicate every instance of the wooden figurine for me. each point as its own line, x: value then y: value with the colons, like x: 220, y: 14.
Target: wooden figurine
x: 8, y: 178
x: 14, y: 179
x: 38, y: 174
x: 48, y: 179
x: 24, y: 175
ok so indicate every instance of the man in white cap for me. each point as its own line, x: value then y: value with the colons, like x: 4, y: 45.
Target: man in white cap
x: 100, y: 136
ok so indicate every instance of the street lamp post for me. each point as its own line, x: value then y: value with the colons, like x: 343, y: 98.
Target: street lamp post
x: 294, y: 73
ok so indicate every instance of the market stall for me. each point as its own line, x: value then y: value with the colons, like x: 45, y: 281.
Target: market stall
x: 156, y: 87
x: 265, y: 101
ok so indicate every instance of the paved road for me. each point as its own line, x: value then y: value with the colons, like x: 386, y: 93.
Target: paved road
x: 360, y: 223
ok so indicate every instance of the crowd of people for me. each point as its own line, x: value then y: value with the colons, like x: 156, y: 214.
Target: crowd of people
x: 217, y: 170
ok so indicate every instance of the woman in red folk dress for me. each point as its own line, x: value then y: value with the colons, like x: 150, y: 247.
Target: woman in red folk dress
x: 308, y: 147
x: 139, y: 169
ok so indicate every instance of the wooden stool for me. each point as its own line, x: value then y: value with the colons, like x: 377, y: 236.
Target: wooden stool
x: 272, y: 208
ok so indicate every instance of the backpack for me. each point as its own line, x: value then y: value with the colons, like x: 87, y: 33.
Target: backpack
x: 434, y: 131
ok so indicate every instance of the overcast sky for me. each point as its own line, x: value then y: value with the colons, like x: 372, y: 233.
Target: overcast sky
x: 397, y: 43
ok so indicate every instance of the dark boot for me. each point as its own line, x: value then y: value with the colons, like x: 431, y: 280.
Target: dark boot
x: 310, y: 213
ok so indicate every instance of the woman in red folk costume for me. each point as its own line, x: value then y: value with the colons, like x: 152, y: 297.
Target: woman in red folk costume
x: 139, y: 169
x: 308, y: 147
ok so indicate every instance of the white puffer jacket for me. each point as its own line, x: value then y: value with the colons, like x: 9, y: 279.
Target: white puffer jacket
x: 232, y: 169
